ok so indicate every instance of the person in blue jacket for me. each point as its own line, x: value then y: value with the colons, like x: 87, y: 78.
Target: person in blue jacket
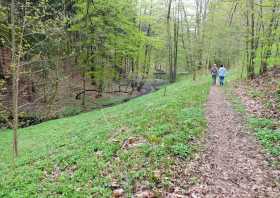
x: 222, y: 73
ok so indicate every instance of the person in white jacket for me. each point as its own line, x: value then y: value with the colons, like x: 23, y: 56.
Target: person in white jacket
x: 222, y: 73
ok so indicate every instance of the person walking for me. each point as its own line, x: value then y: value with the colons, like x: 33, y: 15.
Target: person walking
x: 214, y: 73
x: 222, y: 73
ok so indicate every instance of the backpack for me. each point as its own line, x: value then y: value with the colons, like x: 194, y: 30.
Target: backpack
x: 214, y: 71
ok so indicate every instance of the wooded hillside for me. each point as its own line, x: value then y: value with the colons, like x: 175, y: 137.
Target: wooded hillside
x: 61, y: 58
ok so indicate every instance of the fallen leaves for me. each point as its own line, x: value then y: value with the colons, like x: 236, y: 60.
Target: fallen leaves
x: 118, y: 193
x: 54, y: 174
x: 145, y: 194
x: 261, y: 95
x: 133, y: 142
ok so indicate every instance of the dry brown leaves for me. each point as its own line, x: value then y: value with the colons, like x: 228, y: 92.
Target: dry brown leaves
x: 133, y: 142
x: 266, y: 103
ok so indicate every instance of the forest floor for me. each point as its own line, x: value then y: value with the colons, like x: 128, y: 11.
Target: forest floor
x: 153, y: 146
x: 232, y: 164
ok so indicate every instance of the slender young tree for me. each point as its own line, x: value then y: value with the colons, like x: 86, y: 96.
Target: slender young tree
x: 15, y: 73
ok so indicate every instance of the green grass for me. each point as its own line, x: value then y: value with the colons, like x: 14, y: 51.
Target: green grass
x: 233, y: 77
x: 81, y: 156
x: 267, y: 133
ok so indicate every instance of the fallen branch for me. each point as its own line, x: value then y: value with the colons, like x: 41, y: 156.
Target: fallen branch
x: 94, y: 90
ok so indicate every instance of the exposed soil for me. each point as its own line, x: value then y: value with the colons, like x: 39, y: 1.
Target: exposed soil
x: 232, y: 164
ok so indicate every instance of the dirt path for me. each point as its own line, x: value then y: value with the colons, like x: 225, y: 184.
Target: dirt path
x: 232, y: 164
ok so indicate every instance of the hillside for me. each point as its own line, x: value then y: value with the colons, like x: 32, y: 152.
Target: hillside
x: 129, y: 146
x: 260, y: 98
x: 139, y: 99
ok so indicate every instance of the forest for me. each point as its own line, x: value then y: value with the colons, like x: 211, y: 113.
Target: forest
x: 87, y: 87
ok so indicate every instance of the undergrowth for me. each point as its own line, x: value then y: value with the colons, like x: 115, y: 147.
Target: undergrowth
x: 83, y: 156
x: 268, y: 134
x: 267, y: 131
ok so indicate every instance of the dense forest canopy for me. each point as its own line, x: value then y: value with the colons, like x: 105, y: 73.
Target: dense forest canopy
x: 85, y: 47
x: 145, y: 34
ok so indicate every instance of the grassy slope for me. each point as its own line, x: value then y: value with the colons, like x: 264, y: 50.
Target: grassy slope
x: 81, y: 156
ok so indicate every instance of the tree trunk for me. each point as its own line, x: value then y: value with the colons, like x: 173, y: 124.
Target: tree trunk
x: 15, y: 73
x: 176, y: 35
x: 170, y: 56
x: 84, y: 89
x: 269, y: 38
x: 251, y: 44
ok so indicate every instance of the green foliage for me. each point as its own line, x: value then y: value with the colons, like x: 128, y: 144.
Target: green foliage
x: 70, y: 111
x: 267, y: 133
x: 231, y: 41
x: 109, y: 29
x: 270, y: 139
x: 4, y: 27
x: 225, y: 45
x: 259, y: 123
x: 4, y: 114
x: 181, y: 150
x: 81, y: 156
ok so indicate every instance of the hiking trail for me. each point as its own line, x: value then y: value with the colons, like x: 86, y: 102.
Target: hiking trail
x: 232, y: 164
